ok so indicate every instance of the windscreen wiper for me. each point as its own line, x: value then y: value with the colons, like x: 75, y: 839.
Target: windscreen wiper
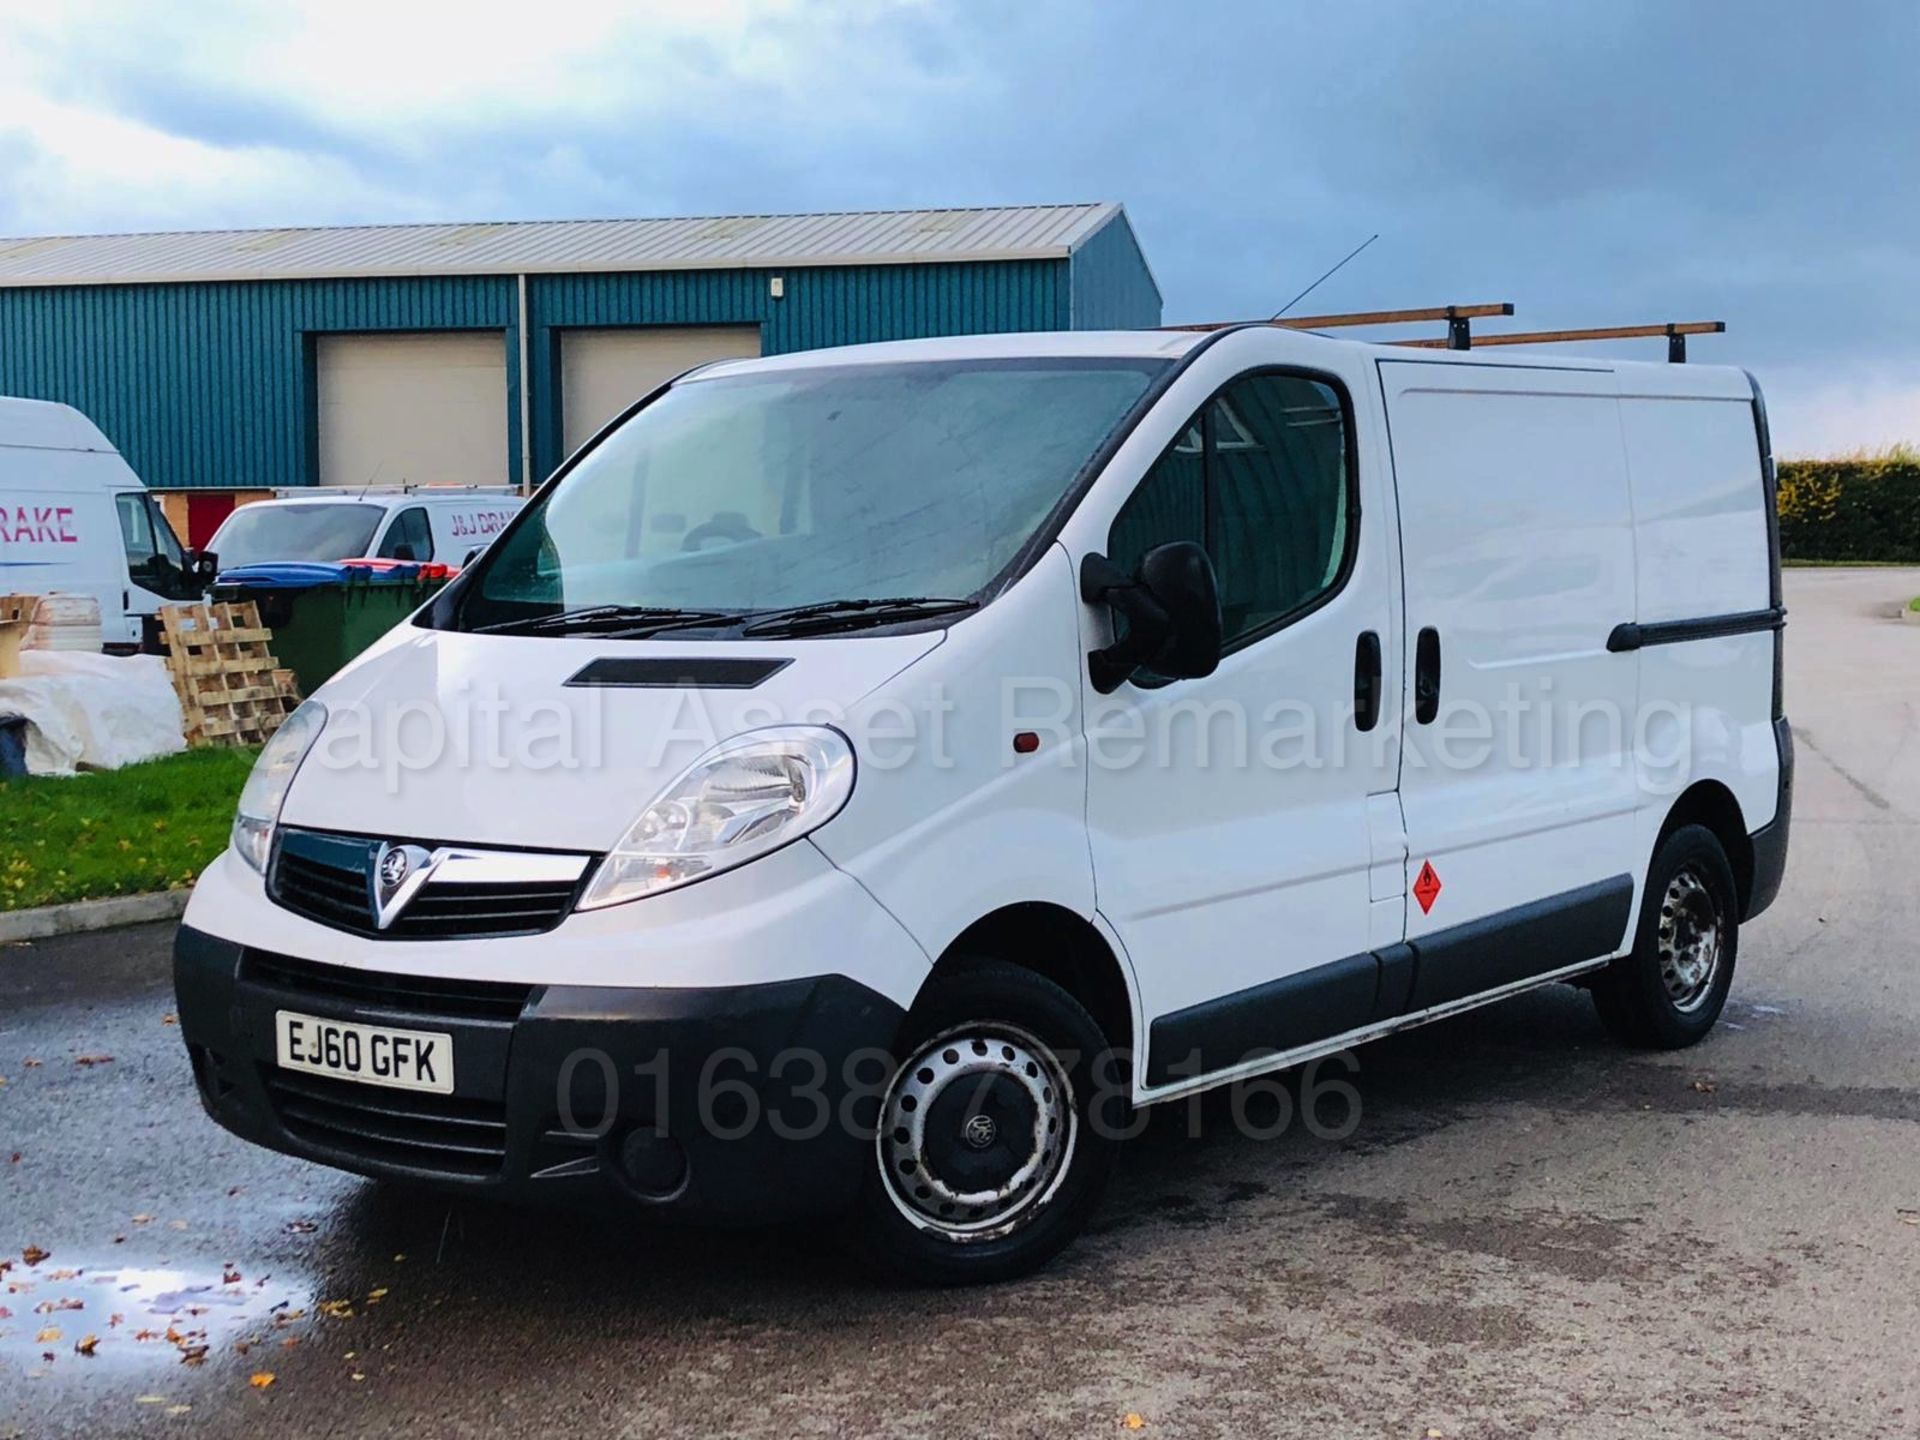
x: 613, y: 621
x: 851, y: 614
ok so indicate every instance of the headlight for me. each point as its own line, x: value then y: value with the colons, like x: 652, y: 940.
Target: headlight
x: 266, y: 788
x: 741, y: 799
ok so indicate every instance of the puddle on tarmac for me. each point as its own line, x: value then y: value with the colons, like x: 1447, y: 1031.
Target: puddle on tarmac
x: 72, y: 1316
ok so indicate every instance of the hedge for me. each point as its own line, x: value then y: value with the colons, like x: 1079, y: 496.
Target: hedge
x: 1850, y: 510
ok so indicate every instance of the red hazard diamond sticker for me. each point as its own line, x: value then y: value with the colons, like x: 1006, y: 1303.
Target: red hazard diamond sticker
x: 1426, y: 888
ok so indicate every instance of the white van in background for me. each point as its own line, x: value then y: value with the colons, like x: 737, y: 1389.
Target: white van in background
x: 968, y: 741
x: 74, y: 518
x: 423, y: 523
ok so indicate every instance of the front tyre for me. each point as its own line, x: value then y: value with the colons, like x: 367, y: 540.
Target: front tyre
x: 996, y: 1134
x: 1668, y: 992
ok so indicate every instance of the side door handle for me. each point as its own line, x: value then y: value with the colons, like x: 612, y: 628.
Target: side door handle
x: 1426, y: 676
x: 1366, y: 681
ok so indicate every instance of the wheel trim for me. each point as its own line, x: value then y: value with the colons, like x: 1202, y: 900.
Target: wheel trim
x: 975, y: 1055
x: 1691, y: 942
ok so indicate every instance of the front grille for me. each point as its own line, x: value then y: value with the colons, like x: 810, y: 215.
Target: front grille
x: 441, y: 1134
x: 424, y: 996
x: 523, y: 908
x: 323, y: 892
x: 327, y: 878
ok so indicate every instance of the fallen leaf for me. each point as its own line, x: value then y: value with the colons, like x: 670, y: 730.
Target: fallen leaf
x: 176, y: 1224
x: 143, y: 1219
x: 261, y: 1379
x: 5, y: 1313
x: 399, y: 1259
x: 48, y: 1335
x: 178, y: 1409
x: 338, y: 1309
x: 374, y: 1297
x: 1704, y: 1087
x: 86, y: 1345
x: 358, y: 1376
x: 289, y: 1342
x: 149, y: 1399
x: 1134, y: 1421
x: 33, y: 1254
x: 301, y: 1227
x: 30, y: 1063
x: 15, y: 1159
x: 169, y: 1019
x: 91, y: 1060
x: 193, y: 1355
x: 63, y: 1274
x: 114, y: 1322
x: 229, y: 1277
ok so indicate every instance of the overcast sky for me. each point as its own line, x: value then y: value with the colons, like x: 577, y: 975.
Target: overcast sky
x: 1604, y: 163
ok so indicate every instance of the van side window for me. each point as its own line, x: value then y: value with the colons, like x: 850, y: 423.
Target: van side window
x: 1259, y: 477
x: 410, y: 530
x: 154, y: 559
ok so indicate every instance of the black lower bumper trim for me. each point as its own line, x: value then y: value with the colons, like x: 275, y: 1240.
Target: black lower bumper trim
x: 767, y: 1092
x: 1770, y: 840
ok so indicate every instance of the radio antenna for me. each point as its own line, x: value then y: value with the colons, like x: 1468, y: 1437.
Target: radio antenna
x: 1324, y: 278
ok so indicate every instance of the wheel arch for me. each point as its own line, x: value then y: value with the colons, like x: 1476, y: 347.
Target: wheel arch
x: 1711, y: 804
x: 1058, y: 943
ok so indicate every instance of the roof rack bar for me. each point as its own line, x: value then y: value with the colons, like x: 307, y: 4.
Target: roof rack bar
x: 1451, y: 313
x: 1675, y: 334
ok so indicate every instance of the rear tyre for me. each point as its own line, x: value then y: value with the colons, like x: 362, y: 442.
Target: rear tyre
x: 996, y: 1134
x: 1669, y: 990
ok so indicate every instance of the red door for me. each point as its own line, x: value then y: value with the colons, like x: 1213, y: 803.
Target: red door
x: 205, y: 511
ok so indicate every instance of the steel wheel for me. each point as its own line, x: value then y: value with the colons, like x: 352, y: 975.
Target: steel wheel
x: 1691, y: 940
x: 977, y: 1131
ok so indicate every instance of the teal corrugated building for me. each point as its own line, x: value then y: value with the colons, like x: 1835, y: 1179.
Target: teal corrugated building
x: 225, y: 362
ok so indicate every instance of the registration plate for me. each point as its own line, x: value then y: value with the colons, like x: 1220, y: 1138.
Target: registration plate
x: 369, y: 1054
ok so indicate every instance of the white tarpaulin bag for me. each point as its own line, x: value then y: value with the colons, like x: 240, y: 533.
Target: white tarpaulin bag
x: 97, y: 712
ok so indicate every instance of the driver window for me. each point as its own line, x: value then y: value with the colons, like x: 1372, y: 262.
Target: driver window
x: 1260, y: 478
x: 136, y: 530
x: 154, y: 559
x: 411, y: 532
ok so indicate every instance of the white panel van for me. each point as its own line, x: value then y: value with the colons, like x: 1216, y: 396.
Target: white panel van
x: 74, y: 518
x: 424, y: 523
x: 861, y: 780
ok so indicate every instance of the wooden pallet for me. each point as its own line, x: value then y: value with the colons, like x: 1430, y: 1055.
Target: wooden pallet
x: 232, y: 691
x: 16, y: 619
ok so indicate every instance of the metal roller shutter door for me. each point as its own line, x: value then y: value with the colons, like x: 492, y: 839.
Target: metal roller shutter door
x: 419, y: 409
x: 604, y: 371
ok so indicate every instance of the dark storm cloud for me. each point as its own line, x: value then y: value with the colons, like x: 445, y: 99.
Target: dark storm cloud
x: 1594, y: 163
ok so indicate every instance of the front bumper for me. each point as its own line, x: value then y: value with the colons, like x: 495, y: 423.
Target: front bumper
x: 765, y: 1094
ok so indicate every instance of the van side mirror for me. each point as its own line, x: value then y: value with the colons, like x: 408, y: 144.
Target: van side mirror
x: 1172, y: 609
x: 472, y: 555
x: 202, y: 566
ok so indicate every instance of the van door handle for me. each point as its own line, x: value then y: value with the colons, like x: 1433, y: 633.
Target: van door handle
x: 1366, y: 681
x: 1426, y: 676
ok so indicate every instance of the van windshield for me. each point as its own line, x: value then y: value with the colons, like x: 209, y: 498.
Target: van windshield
x: 257, y: 534
x: 736, y: 496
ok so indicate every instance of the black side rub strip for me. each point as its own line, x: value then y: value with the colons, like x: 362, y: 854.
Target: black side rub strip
x: 1376, y: 986
x: 695, y: 672
x: 1631, y: 636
